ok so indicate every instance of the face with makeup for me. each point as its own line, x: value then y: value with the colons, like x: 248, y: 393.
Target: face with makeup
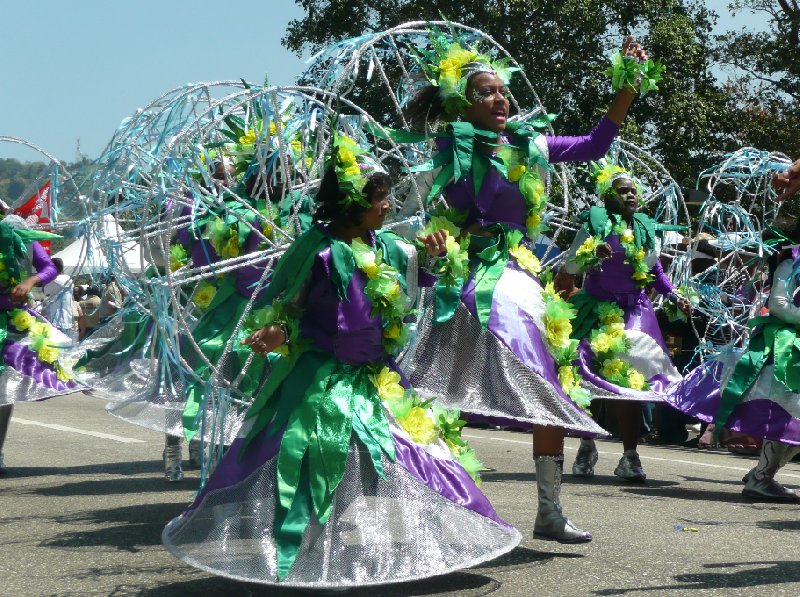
x: 623, y: 197
x: 489, y: 105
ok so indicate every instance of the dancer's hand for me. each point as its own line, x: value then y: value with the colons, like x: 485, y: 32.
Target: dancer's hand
x: 266, y: 339
x: 20, y: 292
x: 633, y: 49
x: 435, y: 243
x: 603, y: 251
x: 788, y: 182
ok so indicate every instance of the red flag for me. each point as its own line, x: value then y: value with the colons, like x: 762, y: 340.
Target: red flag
x: 36, y: 211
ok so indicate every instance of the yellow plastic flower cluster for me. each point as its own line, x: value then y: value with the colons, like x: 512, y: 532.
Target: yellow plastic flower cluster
x: 526, y: 259
x: 204, y: 295
x: 609, y: 342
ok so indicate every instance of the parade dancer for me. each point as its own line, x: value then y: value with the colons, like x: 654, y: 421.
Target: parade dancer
x: 757, y: 391
x: 517, y: 354
x: 622, y: 355
x: 34, y: 366
x: 342, y: 476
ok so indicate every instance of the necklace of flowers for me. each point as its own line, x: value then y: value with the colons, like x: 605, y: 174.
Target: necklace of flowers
x: 531, y: 187
x: 424, y: 421
x: 585, y: 257
x: 40, y: 333
x: 609, y: 342
x: 384, y: 290
x: 558, y: 316
x: 634, y: 256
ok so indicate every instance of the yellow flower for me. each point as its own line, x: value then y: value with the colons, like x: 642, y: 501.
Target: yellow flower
x: 22, y: 320
x: 533, y: 220
x: 353, y: 170
x: 387, y: 384
x: 640, y: 276
x: 296, y: 146
x: 371, y: 270
x: 459, y: 55
x: 346, y: 157
x: 636, y: 380
x: 418, y: 425
x: 557, y: 331
x: 231, y: 248
x: 204, y: 295
x: 600, y: 342
x: 450, y: 68
x: 609, y: 313
x: 612, y: 368
x: 516, y: 172
x: 48, y: 353
x: 615, y: 330
x: 272, y: 129
x: 566, y: 377
x: 526, y: 259
x: 249, y: 138
x: 394, y: 291
x: 63, y: 373
x: 393, y: 331
x: 39, y: 328
x: 627, y: 236
x: 588, y: 247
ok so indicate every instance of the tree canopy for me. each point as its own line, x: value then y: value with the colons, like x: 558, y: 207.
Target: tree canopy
x: 565, y: 46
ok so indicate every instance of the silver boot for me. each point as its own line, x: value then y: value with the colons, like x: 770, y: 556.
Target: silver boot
x: 5, y: 418
x: 760, y: 483
x: 785, y: 457
x: 585, y: 459
x: 630, y: 467
x: 172, y: 460
x: 2, y: 466
x: 195, y: 453
x: 551, y: 524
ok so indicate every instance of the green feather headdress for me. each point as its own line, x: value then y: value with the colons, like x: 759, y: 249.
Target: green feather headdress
x: 450, y: 61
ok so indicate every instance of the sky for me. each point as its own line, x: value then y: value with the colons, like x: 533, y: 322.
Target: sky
x: 74, y: 69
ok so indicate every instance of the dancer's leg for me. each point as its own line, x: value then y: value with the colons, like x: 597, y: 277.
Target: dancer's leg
x: 761, y: 483
x: 548, y: 455
x: 5, y: 418
x: 629, y: 423
x: 172, y: 458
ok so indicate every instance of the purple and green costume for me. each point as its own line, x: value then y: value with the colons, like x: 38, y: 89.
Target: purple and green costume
x: 24, y: 377
x: 755, y: 391
x: 485, y: 353
x: 613, y: 282
x: 323, y: 488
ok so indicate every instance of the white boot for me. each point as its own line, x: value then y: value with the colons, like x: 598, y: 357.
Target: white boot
x: 760, y: 483
x: 551, y: 524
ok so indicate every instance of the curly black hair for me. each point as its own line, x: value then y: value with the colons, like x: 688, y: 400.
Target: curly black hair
x: 330, y: 197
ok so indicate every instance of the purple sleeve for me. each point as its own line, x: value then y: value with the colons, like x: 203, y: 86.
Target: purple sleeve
x: 42, y: 264
x: 582, y: 149
x: 662, y: 283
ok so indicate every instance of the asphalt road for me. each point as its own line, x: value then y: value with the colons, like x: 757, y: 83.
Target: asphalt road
x: 84, y: 503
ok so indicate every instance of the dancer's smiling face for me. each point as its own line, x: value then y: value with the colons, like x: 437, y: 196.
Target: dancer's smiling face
x: 489, y: 104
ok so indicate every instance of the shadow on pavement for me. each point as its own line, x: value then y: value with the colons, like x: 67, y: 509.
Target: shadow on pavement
x: 125, y: 529
x: 117, y: 486
x: 681, y: 492
x: 112, y: 468
x: 458, y: 583
x: 757, y: 574
x: 524, y: 556
x: 779, y: 525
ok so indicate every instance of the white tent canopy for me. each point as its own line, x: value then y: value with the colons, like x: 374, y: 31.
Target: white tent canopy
x: 87, y: 256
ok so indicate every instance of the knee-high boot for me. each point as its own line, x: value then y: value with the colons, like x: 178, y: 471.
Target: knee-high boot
x: 5, y: 418
x: 760, y: 483
x: 551, y: 524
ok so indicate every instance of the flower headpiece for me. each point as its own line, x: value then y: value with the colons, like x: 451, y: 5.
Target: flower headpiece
x: 605, y: 172
x: 449, y: 64
x: 352, y: 165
